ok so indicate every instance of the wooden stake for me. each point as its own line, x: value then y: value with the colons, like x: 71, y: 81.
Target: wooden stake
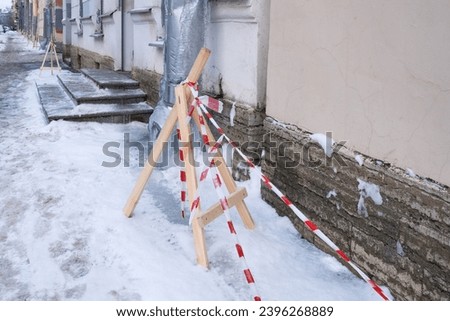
x: 191, y: 176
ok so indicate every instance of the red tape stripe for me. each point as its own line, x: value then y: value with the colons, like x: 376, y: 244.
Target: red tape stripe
x: 378, y: 290
x: 224, y: 204
x: 204, y: 174
x: 183, y: 176
x: 231, y: 227
x: 266, y: 181
x: 239, y: 250
x: 286, y: 200
x: 183, y: 196
x: 217, y: 181
x: 343, y: 256
x: 213, y: 104
x: 195, y: 203
x: 311, y: 225
x: 249, y: 276
x: 250, y: 163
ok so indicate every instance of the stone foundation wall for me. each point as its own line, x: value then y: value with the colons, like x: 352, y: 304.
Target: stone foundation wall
x: 247, y: 131
x: 403, y: 243
x: 149, y: 82
x: 66, y: 55
x: 82, y: 58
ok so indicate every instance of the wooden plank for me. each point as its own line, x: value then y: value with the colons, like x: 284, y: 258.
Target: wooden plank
x: 150, y: 164
x: 199, y: 64
x: 191, y: 176
x: 200, y: 243
x: 185, y: 146
x: 216, y: 210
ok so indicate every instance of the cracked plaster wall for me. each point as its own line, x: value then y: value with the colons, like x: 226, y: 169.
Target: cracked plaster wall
x: 375, y: 73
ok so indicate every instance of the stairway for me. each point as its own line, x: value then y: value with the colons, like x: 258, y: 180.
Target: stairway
x: 94, y: 95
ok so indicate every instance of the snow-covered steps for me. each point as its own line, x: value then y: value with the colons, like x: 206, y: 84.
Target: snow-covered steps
x: 54, y: 100
x: 58, y: 105
x: 105, y: 78
x: 85, y: 91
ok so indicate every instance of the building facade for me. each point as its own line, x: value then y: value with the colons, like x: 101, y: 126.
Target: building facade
x: 39, y: 20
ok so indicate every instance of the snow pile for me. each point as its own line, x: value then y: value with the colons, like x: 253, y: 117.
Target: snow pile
x: 324, y: 141
x: 366, y: 190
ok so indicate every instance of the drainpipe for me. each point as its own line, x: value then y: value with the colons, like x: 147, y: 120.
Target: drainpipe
x: 35, y: 19
x: 185, y: 24
x: 122, y: 41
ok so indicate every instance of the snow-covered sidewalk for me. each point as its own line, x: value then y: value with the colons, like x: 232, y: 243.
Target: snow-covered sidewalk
x: 63, y: 235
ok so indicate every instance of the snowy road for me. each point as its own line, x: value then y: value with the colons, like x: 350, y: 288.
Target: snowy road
x: 63, y: 235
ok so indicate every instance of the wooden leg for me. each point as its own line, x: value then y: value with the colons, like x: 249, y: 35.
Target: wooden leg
x: 200, y: 243
x: 151, y: 162
x: 191, y: 176
x: 45, y: 58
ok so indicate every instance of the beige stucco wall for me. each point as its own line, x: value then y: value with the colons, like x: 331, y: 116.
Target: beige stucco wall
x: 374, y: 72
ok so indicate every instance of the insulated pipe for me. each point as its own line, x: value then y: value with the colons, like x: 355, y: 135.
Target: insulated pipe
x: 184, y: 24
x: 122, y: 32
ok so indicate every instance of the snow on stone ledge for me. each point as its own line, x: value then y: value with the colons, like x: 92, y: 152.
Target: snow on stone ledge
x: 359, y: 159
x: 324, y: 141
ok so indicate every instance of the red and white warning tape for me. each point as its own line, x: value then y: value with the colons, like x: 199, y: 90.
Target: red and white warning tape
x: 203, y: 175
x: 217, y: 181
x: 182, y: 175
x: 286, y: 200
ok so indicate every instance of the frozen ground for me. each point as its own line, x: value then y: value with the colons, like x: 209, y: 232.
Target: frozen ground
x: 63, y: 235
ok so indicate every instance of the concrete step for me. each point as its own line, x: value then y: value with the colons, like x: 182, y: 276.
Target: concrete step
x: 110, y: 79
x: 84, y: 91
x: 57, y: 104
